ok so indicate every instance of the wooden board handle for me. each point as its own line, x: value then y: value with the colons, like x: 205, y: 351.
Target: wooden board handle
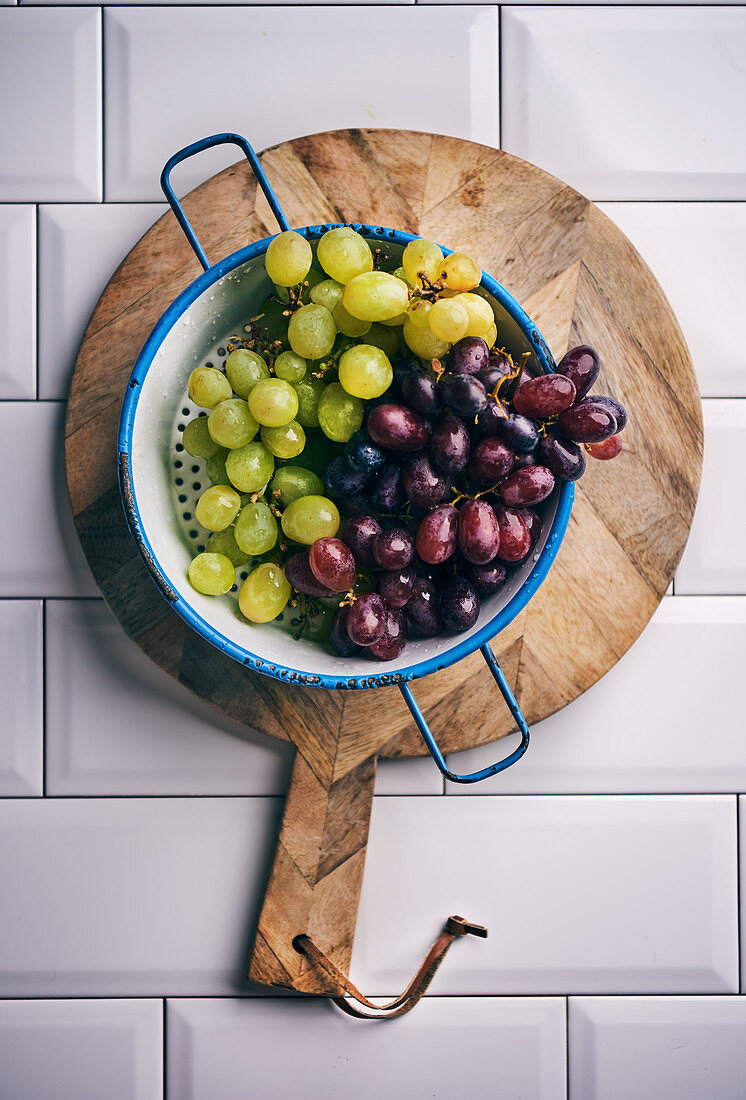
x: 314, y: 885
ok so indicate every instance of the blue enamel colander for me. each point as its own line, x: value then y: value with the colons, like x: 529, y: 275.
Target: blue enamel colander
x: 160, y: 483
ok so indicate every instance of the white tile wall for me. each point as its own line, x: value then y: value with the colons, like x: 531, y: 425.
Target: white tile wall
x: 615, y: 888
x: 666, y: 1047
x: 449, y: 1048
x: 73, y: 1050
x: 17, y: 301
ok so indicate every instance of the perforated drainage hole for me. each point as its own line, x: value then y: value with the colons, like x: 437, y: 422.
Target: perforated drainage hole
x: 196, y: 485
x: 182, y: 498
x: 185, y: 412
x: 178, y: 464
x: 179, y: 447
x: 179, y: 481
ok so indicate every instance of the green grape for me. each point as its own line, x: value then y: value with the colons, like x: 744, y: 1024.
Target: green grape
x: 215, y: 467
x: 343, y: 253
x: 264, y: 593
x: 255, y: 530
x: 290, y: 367
x: 319, y: 452
x: 396, y: 322
x: 448, y: 320
x: 291, y: 482
x: 250, y: 468
x: 479, y: 311
x: 364, y: 371
x: 273, y: 402
x: 375, y: 296
x: 313, y: 278
x: 224, y: 542
x: 217, y: 507
x: 212, y: 574
x: 309, y: 518
x: 328, y: 293
x: 423, y: 342
x: 347, y: 324
x: 340, y: 414
x: 309, y: 391
x: 490, y: 336
x: 383, y: 337
x: 312, y: 331
x: 244, y: 369
x: 288, y: 258
x: 461, y: 272
x: 208, y: 387
x: 285, y: 442
x: 418, y: 312
x: 231, y: 424
x: 401, y: 274
x: 317, y: 622
x: 425, y: 256
x: 197, y: 439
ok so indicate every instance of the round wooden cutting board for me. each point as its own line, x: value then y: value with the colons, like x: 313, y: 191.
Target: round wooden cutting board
x: 582, y: 281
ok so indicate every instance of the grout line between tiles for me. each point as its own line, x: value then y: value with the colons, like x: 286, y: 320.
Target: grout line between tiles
x: 567, y: 1048
x: 500, y: 76
x: 102, y: 76
x: 165, y: 1051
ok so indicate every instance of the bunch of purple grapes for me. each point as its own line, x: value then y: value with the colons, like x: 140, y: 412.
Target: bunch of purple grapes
x: 440, y: 490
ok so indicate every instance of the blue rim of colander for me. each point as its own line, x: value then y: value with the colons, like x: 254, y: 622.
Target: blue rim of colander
x: 185, y: 610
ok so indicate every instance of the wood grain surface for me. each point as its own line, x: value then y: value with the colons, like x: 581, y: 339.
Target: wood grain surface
x: 582, y: 282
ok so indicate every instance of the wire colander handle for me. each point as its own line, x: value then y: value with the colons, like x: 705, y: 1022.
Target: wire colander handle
x: 198, y: 147
x: 515, y: 710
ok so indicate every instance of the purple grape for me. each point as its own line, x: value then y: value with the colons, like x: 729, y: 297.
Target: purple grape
x: 422, y: 608
x: 563, y: 457
x: 478, y: 532
x: 393, y: 549
x: 607, y: 448
x: 422, y: 485
x: 545, y: 396
x: 580, y: 365
x: 359, y: 532
x: 463, y: 393
x: 421, y: 392
x: 510, y: 377
x: 491, y: 461
x: 533, y: 522
x: 468, y: 356
x: 459, y: 604
x: 341, y: 479
x: 528, y: 486
x: 332, y: 564
x: 299, y: 575
x: 436, y: 535
x: 362, y: 453
x: 519, y: 432
x: 617, y: 411
x: 367, y: 619
x: 486, y: 578
x: 395, y: 587
x: 397, y: 428
x: 449, y: 446
x: 525, y: 460
x: 387, y: 491
x: 587, y: 422
x: 339, y: 639
x: 490, y: 420
x: 394, y: 637
x: 515, y: 539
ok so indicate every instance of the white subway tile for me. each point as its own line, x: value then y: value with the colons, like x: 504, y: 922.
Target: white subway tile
x: 80, y: 247
x: 130, y: 897
x: 580, y: 895
x: 697, y: 251
x: 39, y: 550
x: 21, y: 689
x: 17, y: 301
x: 72, y: 1050
x: 606, y: 98
x: 118, y: 725
x: 50, y: 86
x: 418, y: 775
x: 714, y: 560
x: 469, y: 1048
x: 662, y: 1047
x: 667, y: 717
x: 276, y: 77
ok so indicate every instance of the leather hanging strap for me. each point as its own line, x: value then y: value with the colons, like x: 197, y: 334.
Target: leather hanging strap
x: 351, y: 1000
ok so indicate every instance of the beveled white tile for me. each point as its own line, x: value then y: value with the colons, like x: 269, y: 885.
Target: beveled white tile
x: 21, y: 731
x: 17, y: 301
x: 60, y: 1050
x: 154, y: 104
x: 117, y: 724
x: 131, y: 897
x: 469, y: 1048
x: 80, y: 247
x: 50, y: 86
x: 604, y: 895
x: 697, y: 251
x: 39, y: 550
x: 714, y: 560
x: 582, y: 98
x: 667, y: 1048
x: 667, y: 717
